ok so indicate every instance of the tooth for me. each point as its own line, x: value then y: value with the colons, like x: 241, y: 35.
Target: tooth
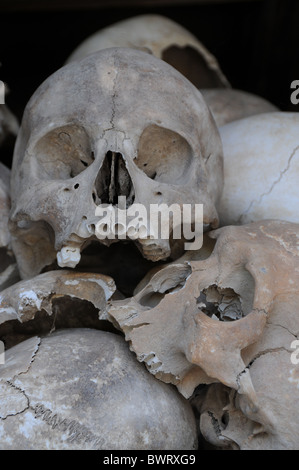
x: 155, y: 250
x: 84, y: 230
x: 68, y: 257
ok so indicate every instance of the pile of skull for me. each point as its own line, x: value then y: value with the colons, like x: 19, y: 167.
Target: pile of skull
x: 140, y: 344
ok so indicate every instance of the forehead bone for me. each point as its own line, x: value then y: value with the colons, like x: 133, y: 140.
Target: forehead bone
x: 110, y: 82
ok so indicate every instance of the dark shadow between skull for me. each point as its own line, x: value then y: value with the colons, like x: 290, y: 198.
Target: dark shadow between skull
x: 67, y: 312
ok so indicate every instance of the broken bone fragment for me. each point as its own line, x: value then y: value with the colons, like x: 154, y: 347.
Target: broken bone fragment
x: 72, y: 389
x: 175, y: 316
x: 227, y: 419
x: 62, y: 296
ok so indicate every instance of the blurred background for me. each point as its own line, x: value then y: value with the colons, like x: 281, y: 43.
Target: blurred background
x: 255, y: 42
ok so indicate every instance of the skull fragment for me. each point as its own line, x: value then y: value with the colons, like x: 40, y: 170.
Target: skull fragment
x: 261, y: 152
x: 128, y: 125
x: 82, y: 389
x: 165, y: 39
x: 228, y: 105
x: 228, y: 319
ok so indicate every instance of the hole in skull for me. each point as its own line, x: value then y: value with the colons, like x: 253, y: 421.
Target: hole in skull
x: 192, y: 65
x: 163, y: 155
x: 225, y: 419
x: 67, y: 313
x: 222, y: 304
x: 113, y: 181
x: 63, y: 153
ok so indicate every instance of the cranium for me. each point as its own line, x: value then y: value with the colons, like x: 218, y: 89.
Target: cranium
x: 261, y: 169
x: 166, y: 40
x: 228, y: 105
x: 128, y: 125
x: 228, y: 419
x: 207, y: 321
x: 83, y: 389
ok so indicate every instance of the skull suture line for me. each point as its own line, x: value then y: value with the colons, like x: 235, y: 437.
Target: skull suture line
x: 118, y: 123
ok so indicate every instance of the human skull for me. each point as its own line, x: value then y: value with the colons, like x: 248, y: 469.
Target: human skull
x: 197, y: 322
x: 226, y: 417
x: 228, y: 105
x: 261, y: 169
x: 166, y: 40
x: 128, y: 125
x: 83, y: 389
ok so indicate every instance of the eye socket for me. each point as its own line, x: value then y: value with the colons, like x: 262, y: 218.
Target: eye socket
x: 192, y: 65
x: 63, y: 153
x: 164, y: 155
x: 229, y: 303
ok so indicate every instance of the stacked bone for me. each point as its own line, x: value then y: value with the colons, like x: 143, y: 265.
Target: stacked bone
x: 154, y: 121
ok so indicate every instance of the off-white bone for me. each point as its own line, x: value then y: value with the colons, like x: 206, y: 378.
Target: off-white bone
x: 170, y: 118
x: 68, y: 257
x: 62, y: 392
x: 155, y: 34
x: 261, y: 168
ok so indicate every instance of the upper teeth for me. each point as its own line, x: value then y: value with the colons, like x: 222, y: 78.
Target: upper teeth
x: 68, y: 257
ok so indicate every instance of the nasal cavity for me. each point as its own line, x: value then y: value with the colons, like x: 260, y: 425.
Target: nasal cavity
x: 113, y: 180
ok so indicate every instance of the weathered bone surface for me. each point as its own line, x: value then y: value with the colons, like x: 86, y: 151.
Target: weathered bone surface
x: 227, y: 419
x: 229, y: 105
x: 8, y: 268
x: 83, y: 389
x: 129, y: 125
x: 56, y: 294
x: 261, y: 169
x: 195, y: 322
x: 166, y: 40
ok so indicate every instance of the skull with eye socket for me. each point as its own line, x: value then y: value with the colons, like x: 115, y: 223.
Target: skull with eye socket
x: 119, y: 122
